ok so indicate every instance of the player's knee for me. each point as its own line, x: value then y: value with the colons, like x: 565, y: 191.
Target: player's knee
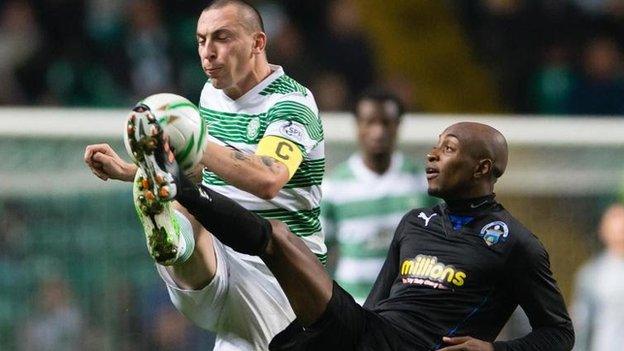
x: 279, y: 231
x: 282, y: 239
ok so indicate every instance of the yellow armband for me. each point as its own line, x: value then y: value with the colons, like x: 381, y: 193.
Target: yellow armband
x: 283, y: 150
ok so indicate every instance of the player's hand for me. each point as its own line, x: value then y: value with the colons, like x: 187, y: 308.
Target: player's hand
x: 466, y: 343
x: 105, y: 163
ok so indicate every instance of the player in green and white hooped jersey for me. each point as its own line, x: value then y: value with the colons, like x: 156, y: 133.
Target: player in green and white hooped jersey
x: 366, y: 196
x: 266, y: 151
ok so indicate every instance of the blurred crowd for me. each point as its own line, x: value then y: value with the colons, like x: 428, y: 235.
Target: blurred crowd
x: 551, y: 56
x: 44, y: 305
x: 106, y: 53
x: 542, y: 55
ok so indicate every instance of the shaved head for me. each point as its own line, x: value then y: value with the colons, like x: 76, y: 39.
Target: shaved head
x: 249, y: 17
x: 482, y: 142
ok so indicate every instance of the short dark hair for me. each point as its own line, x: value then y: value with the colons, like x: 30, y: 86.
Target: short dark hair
x: 381, y: 96
x: 256, y: 22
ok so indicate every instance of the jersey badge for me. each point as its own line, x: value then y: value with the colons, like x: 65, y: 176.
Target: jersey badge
x: 427, y: 219
x: 253, y: 128
x: 493, y: 232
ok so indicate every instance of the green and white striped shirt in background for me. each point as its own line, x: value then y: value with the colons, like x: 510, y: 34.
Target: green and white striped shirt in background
x: 360, y: 211
x: 278, y: 106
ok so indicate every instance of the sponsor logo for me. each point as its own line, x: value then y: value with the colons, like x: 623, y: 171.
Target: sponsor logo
x: 426, y: 270
x: 253, y: 128
x: 427, y: 219
x: 292, y: 131
x: 493, y: 232
x: 479, y: 204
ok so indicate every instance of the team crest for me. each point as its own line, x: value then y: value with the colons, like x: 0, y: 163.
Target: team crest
x: 253, y: 128
x: 493, y: 232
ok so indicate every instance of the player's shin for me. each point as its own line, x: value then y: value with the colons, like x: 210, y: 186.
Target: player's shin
x: 233, y: 225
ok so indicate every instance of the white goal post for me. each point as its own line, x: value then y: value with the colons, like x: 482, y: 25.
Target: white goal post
x: 549, y: 155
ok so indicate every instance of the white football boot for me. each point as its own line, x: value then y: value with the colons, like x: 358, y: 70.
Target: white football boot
x: 154, y: 189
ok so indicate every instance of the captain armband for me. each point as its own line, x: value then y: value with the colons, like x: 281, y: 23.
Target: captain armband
x: 283, y: 150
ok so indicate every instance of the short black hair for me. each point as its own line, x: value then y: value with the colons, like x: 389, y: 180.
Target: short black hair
x: 256, y: 22
x: 381, y: 96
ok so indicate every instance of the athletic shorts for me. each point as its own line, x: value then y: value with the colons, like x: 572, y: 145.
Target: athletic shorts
x: 243, y: 304
x: 344, y: 326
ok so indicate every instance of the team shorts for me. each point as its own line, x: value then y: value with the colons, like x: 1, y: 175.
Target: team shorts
x: 243, y: 304
x: 344, y: 326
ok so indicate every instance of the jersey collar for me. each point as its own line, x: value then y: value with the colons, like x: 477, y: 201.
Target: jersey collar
x: 470, y: 207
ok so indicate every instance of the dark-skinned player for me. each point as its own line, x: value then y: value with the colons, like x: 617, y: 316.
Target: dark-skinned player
x: 452, y: 277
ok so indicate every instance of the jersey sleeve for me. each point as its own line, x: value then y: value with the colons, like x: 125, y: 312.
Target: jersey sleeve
x: 295, y: 117
x: 389, y: 270
x: 533, y: 286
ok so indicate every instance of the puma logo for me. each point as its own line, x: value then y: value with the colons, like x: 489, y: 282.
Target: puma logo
x: 427, y: 219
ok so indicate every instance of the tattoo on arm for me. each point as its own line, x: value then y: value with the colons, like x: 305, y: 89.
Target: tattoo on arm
x: 269, y: 162
x: 237, y: 155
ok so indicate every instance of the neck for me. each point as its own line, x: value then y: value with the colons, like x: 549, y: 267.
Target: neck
x: 468, y: 205
x: 378, y: 163
x: 254, y: 78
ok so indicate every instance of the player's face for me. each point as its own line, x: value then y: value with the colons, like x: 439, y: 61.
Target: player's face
x: 377, y: 126
x: 225, y: 47
x: 612, y: 229
x: 450, y: 168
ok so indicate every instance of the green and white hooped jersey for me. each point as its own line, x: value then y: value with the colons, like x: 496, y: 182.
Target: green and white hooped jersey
x: 278, y: 106
x: 361, y: 210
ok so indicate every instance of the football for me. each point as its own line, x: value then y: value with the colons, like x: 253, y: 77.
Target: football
x: 181, y: 122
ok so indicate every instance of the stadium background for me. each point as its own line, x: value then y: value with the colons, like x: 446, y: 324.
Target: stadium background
x: 74, y: 273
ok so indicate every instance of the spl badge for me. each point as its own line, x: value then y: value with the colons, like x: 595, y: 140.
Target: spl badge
x: 493, y: 232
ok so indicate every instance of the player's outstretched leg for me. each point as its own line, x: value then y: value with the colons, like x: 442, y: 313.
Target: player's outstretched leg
x: 153, y: 191
x: 298, y: 271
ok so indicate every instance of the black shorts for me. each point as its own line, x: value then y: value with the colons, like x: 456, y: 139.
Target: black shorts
x: 344, y: 326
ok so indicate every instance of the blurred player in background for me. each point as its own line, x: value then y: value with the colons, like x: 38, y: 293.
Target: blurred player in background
x: 452, y: 277
x: 266, y: 152
x: 365, y: 197
x: 598, y: 308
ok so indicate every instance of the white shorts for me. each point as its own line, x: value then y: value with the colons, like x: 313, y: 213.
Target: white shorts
x: 243, y: 304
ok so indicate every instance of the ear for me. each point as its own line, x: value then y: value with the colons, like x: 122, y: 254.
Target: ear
x: 259, y: 43
x: 484, y: 168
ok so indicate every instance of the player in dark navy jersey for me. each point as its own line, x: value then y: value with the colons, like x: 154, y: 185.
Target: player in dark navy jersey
x: 462, y: 267
x: 452, y: 277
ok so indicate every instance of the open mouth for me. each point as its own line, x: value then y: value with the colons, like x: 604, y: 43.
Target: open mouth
x: 431, y: 172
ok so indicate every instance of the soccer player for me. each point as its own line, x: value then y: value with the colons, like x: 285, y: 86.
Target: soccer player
x: 265, y: 151
x: 365, y: 197
x: 598, y: 307
x: 453, y: 274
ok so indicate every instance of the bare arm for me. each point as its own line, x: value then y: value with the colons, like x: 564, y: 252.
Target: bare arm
x: 261, y: 175
x: 105, y: 163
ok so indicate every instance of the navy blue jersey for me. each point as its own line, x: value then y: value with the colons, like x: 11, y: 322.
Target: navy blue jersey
x: 444, y: 279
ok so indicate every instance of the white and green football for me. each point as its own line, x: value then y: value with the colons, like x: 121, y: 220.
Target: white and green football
x: 182, y: 123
